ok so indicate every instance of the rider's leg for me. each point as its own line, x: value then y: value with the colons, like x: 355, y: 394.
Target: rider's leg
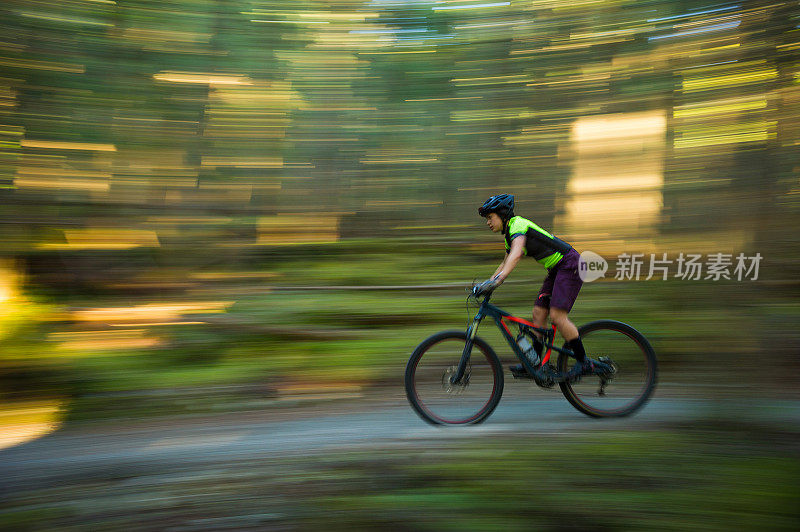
x: 540, y: 320
x: 562, y: 322
x: 584, y: 365
x: 540, y: 316
x: 566, y: 286
x: 541, y: 309
x: 568, y: 330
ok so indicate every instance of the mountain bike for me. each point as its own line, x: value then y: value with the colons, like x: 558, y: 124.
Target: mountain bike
x: 455, y: 377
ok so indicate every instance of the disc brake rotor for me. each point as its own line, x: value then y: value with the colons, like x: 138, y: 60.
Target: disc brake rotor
x: 606, y: 378
x: 607, y: 360
x: 454, y: 388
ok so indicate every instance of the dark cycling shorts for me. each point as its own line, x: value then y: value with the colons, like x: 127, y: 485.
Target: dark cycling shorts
x: 562, y: 284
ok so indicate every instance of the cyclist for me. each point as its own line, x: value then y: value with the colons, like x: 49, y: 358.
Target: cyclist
x: 560, y: 287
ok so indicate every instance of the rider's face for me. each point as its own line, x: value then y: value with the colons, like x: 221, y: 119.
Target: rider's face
x: 494, y: 222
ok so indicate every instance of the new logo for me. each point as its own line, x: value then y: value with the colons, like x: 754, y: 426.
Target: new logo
x: 591, y: 266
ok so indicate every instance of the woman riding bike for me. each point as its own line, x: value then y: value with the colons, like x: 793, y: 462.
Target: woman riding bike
x: 560, y: 287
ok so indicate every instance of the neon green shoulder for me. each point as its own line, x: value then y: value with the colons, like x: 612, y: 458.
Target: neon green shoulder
x: 517, y: 225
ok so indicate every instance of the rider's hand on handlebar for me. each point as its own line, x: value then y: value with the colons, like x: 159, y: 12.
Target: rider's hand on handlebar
x: 485, y: 287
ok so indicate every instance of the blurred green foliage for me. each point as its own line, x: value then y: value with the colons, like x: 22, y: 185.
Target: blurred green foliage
x: 273, y: 336
x: 174, y: 152
x: 208, y: 206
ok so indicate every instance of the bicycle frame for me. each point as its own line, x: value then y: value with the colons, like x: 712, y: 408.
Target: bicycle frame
x: 499, y: 315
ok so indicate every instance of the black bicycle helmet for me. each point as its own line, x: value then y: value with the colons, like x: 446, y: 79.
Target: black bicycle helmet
x: 502, y: 204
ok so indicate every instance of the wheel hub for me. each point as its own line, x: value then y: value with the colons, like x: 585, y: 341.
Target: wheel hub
x: 544, y: 376
x: 608, y: 376
x: 451, y: 387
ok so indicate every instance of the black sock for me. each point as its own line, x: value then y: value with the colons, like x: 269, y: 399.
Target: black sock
x: 576, y: 346
x: 537, y: 345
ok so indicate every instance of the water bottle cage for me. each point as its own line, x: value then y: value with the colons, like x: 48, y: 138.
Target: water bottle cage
x: 527, y: 347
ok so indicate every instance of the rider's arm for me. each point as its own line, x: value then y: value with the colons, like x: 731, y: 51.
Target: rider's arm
x: 517, y: 248
x: 499, y: 268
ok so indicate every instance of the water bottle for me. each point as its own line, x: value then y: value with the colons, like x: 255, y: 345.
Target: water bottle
x: 527, y: 349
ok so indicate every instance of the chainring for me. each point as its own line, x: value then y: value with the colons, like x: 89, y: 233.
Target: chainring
x: 543, y: 376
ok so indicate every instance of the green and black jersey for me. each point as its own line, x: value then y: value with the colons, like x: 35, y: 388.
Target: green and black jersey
x: 547, y: 249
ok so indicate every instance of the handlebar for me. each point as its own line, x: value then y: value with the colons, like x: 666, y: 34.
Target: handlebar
x: 486, y: 295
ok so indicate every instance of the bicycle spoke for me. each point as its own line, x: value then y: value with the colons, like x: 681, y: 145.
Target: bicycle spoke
x: 441, y: 400
x: 621, y: 391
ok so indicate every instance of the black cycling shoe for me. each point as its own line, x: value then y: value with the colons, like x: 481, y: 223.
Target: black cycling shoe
x: 602, y: 367
x: 519, y: 372
x: 587, y: 367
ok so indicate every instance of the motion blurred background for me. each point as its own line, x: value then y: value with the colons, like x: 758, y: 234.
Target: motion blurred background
x: 232, y: 205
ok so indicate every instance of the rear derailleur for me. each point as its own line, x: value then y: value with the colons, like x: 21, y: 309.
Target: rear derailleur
x: 607, y: 376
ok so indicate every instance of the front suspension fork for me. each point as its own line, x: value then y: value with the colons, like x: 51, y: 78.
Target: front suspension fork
x: 464, y: 362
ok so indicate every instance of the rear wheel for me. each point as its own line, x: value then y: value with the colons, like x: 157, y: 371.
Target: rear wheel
x: 439, y: 401
x: 630, y: 383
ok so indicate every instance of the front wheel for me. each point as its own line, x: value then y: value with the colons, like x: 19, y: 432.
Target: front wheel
x: 432, y: 393
x: 632, y: 380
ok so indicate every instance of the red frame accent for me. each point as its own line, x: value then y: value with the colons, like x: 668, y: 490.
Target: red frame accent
x: 506, y: 327
x: 546, y: 357
x: 519, y: 320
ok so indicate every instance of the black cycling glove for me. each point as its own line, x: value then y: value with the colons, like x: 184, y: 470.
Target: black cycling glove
x: 486, y: 286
